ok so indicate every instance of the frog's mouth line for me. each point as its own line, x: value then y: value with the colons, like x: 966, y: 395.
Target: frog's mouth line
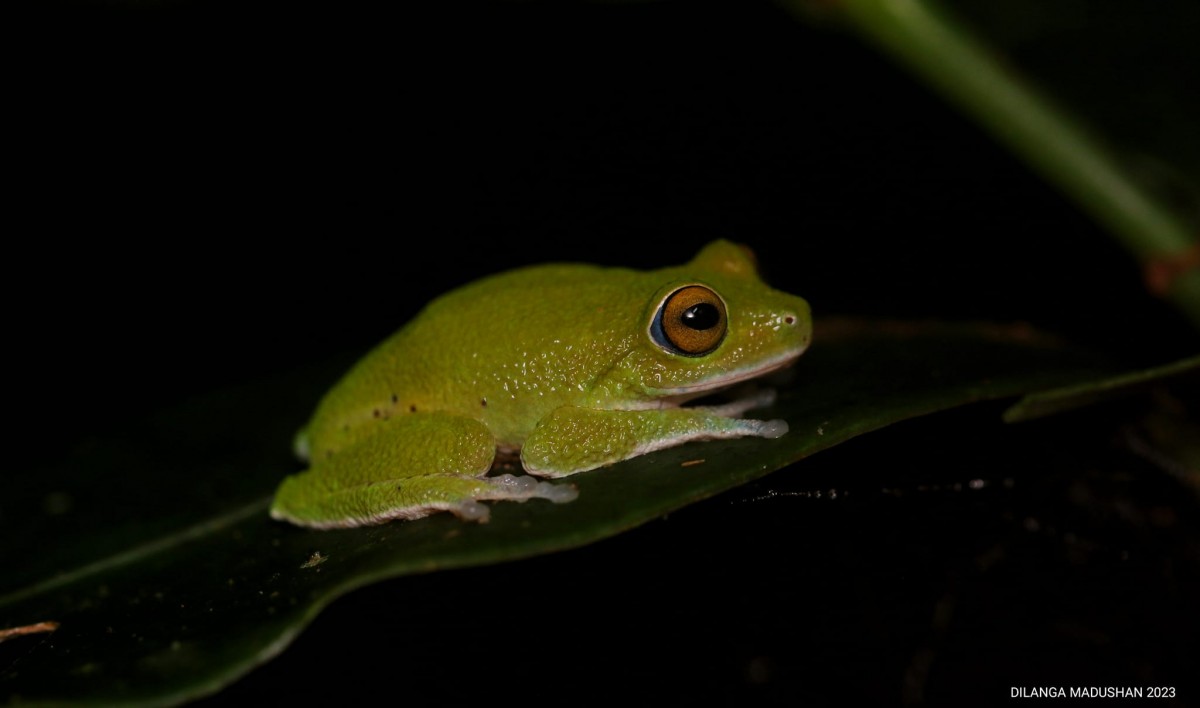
x: 682, y: 394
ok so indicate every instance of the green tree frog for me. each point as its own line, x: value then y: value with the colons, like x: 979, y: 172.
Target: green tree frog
x: 572, y: 366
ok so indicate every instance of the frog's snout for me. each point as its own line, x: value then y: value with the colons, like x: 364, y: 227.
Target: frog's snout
x: 796, y: 322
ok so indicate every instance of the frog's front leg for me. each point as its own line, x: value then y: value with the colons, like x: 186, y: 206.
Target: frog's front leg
x: 412, y: 466
x: 573, y: 439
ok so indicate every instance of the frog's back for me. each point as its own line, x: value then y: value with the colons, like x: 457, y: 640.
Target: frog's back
x: 503, y: 349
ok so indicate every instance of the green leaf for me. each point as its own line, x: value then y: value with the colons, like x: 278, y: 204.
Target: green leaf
x: 152, y: 551
x: 1057, y: 400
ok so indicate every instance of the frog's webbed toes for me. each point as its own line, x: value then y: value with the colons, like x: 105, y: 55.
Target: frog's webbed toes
x: 520, y: 488
x: 471, y: 510
x: 510, y: 487
x: 771, y: 429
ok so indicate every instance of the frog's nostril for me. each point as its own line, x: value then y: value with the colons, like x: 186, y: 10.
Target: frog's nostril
x: 789, y: 319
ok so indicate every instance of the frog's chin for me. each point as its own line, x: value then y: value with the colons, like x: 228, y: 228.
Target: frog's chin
x: 682, y: 394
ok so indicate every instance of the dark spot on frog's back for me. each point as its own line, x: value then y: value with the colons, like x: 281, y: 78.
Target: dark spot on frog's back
x: 483, y: 402
x: 412, y: 408
x: 395, y: 399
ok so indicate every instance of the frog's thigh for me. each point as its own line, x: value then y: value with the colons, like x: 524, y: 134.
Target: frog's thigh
x: 413, y: 466
x: 572, y: 439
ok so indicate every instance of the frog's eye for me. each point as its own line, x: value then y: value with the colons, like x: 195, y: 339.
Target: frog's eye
x: 691, y: 321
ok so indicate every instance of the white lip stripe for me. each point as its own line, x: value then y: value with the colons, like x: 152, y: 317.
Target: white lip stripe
x: 734, y: 377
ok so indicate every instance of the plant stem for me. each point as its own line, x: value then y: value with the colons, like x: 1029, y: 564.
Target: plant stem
x: 925, y: 39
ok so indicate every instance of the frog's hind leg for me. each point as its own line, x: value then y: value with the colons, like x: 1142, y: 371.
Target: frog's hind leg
x: 416, y: 497
x: 412, y: 466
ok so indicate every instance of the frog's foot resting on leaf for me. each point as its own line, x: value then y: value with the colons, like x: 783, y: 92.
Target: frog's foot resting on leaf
x: 505, y: 487
x: 508, y: 487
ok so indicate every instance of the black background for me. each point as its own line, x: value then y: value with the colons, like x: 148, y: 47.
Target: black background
x: 206, y: 193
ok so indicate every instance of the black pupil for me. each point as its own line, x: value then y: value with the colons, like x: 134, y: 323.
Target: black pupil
x: 701, y: 316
